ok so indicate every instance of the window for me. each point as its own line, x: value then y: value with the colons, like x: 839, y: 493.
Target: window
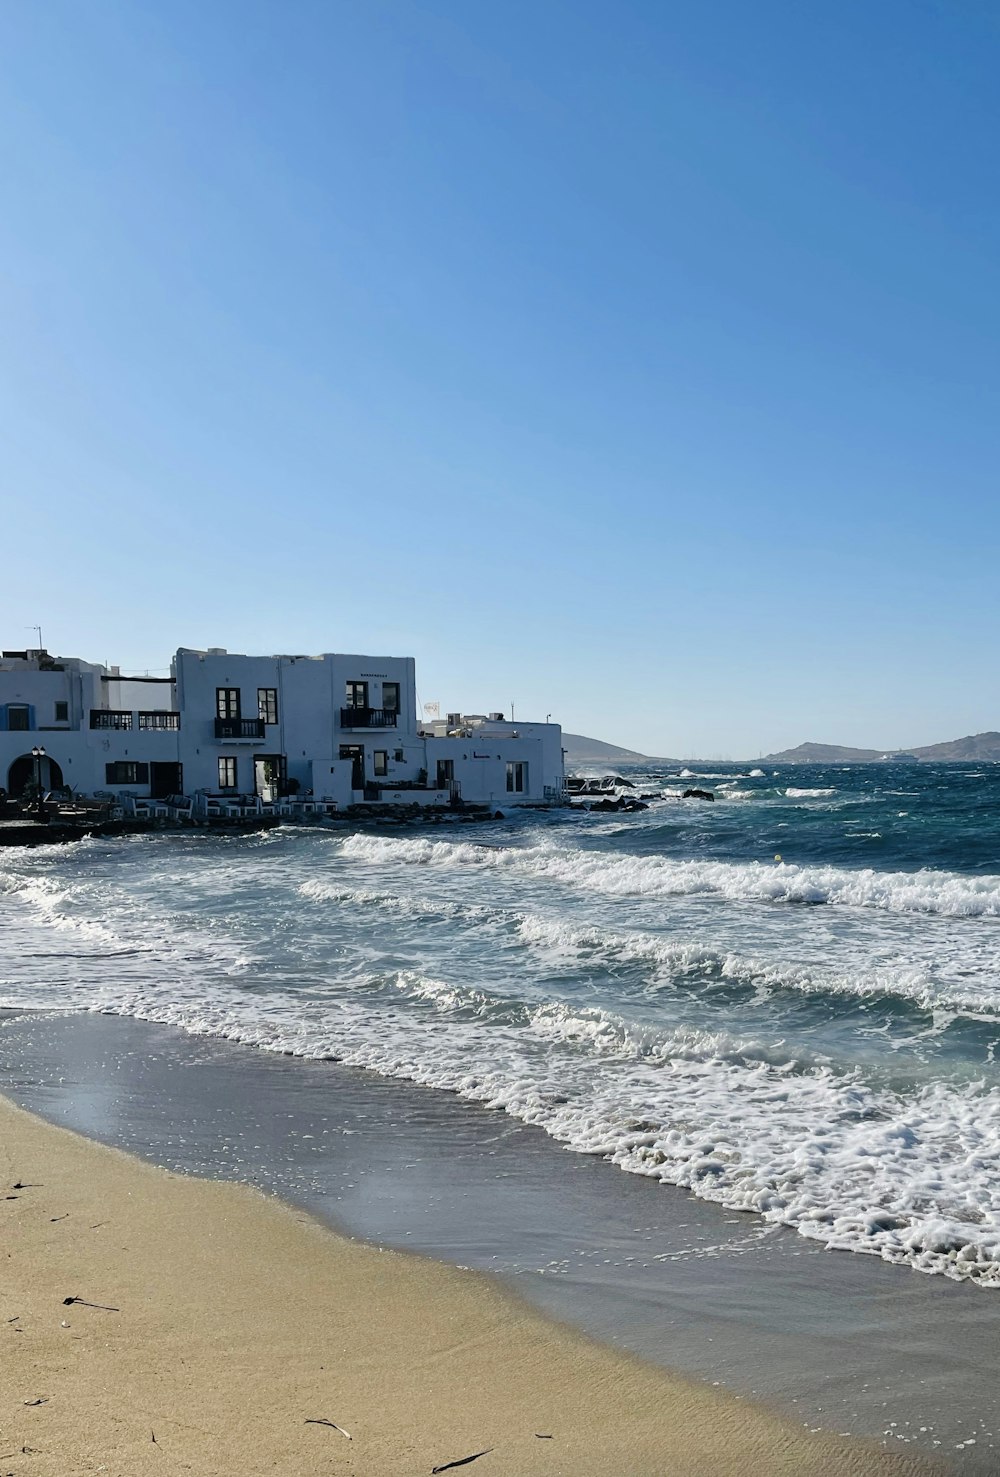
x: 227, y: 771
x: 381, y: 758
x: 227, y: 702
x: 17, y: 717
x: 399, y: 756
x: 446, y: 773
x: 357, y: 694
x: 126, y: 772
x: 390, y: 697
x: 62, y: 713
x: 517, y: 777
x: 267, y: 704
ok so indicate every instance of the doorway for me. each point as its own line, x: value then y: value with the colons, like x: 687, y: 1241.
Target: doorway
x: 269, y: 776
x: 24, y: 772
x: 356, y: 754
x: 164, y: 780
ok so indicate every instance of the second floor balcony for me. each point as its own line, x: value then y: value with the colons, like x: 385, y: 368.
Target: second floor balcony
x: 110, y: 718
x: 239, y: 728
x: 368, y: 717
x: 160, y: 720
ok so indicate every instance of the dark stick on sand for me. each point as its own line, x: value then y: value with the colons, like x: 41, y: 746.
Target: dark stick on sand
x: 84, y: 1304
x: 463, y: 1461
x: 312, y: 1420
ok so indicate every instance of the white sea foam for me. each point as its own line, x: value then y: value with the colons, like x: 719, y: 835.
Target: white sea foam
x: 952, y: 894
x: 709, y: 774
x: 797, y: 794
x: 665, y: 961
x: 279, y: 954
x: 317, y: 890
x: 914, y: 1180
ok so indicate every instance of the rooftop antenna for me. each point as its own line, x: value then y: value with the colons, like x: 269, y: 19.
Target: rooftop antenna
x: 39, y: 631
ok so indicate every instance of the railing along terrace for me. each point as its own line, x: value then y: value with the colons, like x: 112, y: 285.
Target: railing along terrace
x: 170, y: 722
x: 110, y: 718
x: 368, y: 717
x: 234, y: 728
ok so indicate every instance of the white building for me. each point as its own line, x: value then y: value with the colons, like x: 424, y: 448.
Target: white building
x: 342, y: 727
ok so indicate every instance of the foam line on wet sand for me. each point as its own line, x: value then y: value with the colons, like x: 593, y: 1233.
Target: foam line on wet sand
x: 225, y: 1331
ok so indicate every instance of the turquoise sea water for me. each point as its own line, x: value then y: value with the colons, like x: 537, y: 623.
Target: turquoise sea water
x: 810, y: 1039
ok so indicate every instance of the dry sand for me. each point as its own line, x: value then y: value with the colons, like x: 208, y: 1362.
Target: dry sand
x: 238, y: 1320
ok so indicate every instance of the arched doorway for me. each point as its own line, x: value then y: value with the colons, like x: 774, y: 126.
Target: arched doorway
x: 24, y: 771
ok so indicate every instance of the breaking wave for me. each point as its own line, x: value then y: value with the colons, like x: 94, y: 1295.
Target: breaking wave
x: 733, y: 1120
x: 828, y: 1068
x: 951, y: 894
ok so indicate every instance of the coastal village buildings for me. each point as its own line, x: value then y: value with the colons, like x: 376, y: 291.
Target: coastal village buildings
x: 341, y: 728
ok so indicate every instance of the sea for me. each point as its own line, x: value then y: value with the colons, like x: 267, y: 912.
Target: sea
x: 785, y: 1001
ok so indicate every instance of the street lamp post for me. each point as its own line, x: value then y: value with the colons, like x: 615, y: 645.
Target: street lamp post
x: 38, y: 754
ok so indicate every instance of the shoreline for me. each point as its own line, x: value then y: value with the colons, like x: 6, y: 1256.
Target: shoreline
x: 28, y: 832
x: 242, y: 1323
x: 825, y: 1340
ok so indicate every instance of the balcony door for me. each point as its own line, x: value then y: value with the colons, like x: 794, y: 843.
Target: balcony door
x: 227, y: 702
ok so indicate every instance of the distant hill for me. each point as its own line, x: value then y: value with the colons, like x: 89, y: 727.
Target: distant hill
x: 981, y: 748
x: 583, y: 750
x: 978, y: 747
x: 824, y: 754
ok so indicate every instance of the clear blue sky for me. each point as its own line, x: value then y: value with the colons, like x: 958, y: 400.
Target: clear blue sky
x: 637, y: 363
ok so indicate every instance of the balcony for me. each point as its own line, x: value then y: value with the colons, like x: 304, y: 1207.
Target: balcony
x: 160, y: 721
x: 368, y: 717
x: 239, y: 728
x: 110, y: 718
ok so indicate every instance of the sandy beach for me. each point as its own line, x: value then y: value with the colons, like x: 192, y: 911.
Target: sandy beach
x: 235, y: 1334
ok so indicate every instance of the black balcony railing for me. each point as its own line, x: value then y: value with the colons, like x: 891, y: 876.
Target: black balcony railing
x: 239, y: 728
x: 170, y: 722
x: 368, y: 717
x: 110, y: 718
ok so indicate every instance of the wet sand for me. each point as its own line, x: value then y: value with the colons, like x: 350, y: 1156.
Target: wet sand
x: 214, y: 1330
x: 829, y: 1341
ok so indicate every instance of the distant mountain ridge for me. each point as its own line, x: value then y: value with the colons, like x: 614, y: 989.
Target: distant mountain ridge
x: 974, y: 748
x: 983, y: 748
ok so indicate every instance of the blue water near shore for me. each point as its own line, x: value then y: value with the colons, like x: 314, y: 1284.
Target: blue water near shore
x: 786, y: 1001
